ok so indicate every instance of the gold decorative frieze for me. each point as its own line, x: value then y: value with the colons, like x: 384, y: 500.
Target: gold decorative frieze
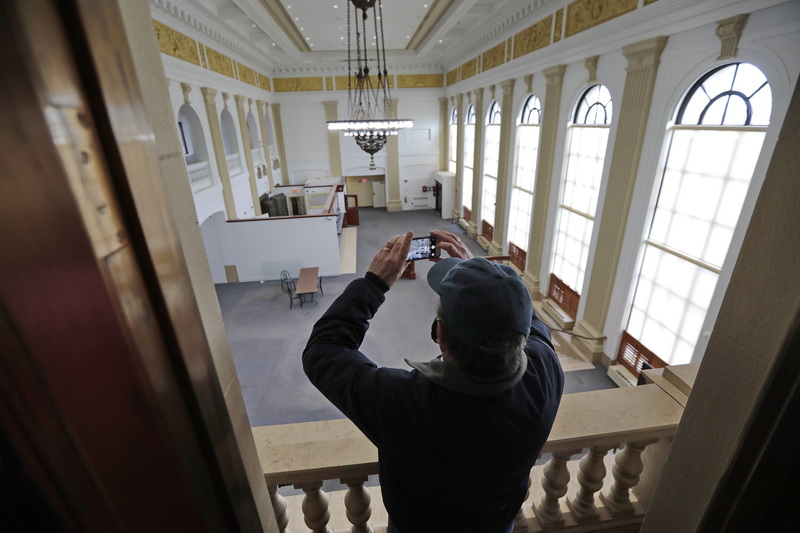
x: 246, y: 74
x: 176, y: 44
x: 469, y: 69
x: 288, y: 85
x: 585, y: 14
x: 263, y: 82
x: 533, y: 38
x: 341, y: 82
x: 219, y: 62
x: 494, y: 57
x: 648, y: 2
x: 559, y: 29
x: 452, y: 77
x: 419, y: 81
x: 328, y: 83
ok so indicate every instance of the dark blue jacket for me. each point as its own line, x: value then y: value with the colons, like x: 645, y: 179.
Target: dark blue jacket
x: 449, y: 460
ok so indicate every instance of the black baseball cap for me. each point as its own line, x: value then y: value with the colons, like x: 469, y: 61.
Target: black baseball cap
x: 480, y: 298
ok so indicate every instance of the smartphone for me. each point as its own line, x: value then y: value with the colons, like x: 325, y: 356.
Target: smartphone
x: 423, y: 248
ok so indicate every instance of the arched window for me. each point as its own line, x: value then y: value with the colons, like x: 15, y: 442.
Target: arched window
x: 469, y: 163
x: 453, y: 140
x: 711, y: 153
x: 587, y: 140
x: 519, y: 222
x: 491, y: 153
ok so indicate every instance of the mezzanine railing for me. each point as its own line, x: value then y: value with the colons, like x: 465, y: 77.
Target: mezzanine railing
x: 200, y: 176
x: 564, y: 494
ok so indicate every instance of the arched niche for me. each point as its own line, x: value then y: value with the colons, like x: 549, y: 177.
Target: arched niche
x: 228, y: 133
x: 192, y: 137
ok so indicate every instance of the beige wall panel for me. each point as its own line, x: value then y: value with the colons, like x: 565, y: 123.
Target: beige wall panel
x: 176, y: 44
x: 494, y: 57
x: 419, y: 81
x: 246, y: 74
x: 534, y: 37
x: 585, y: 14
x: 452, y: 77
x: 288, y: 85
x: 219, y: 62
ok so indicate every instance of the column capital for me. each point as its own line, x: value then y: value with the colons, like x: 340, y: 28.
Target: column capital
x: 729, y: 31
x: 209, y: 95
x: 508, y: 86
x: 276, y: 107
x: 459, y: 99
x: 239, y: 99
x: 225, y: 97
x: 644, y: 54
x: 554, y: 75
x: 331, y: 105
x: 260, y: 106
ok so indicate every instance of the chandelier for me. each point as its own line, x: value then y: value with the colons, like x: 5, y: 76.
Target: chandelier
x: 369, y: 101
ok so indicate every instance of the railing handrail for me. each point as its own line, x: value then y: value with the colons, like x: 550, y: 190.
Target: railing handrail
x: 335, y: 449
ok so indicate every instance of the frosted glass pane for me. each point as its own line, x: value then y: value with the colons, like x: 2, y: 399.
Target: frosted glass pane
x: 670, y: 304
x: 571, y: 249
x: 488, y: 200
x: 718, y: 242
x: 748, y: 79
x: 466, y: 188
x: 707, y: 190
x: 527, y: 157
x: 469, y: 145
x: 453, y: 142
x: 761, y: 103
x: 720, y: 81
x: 584, y: 168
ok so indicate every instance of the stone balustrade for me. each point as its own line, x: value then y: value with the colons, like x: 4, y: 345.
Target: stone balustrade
x: 200, y: 176
x: 567, y: 492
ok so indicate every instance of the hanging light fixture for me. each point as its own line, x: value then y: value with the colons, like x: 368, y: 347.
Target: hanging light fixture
x: 369, y: 101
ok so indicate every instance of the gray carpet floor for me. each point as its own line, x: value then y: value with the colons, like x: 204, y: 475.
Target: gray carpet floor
x: 267, y: 338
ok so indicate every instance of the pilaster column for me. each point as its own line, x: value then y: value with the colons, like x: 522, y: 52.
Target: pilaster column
x: 393, y: 202
x: 504, y: 173
x: 643, y: 60
x: 477, y: 169
x: 334, y: 148
x: 278, y: 123
x: 262, y: 108
x: 459, y: 156
x: 248, y: 153
x: 544, y: 176
x: 210, y: 100
x: 444, y: 133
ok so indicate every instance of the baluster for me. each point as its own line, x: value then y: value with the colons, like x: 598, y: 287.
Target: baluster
x: 316, y: 513
x: 279, y: 507
x: 590, y: 478
x: 357, y: 503
x: 554, y: 483
x: 627, y: 467
x: 520, y: 522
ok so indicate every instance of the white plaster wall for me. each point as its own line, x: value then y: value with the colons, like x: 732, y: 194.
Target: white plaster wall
x: 285, y: 243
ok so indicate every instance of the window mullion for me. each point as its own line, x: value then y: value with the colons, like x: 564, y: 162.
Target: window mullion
x: 685, y: 257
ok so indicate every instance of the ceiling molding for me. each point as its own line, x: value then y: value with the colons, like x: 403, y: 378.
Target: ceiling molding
x: 431, y: 19
x: 279, y: 15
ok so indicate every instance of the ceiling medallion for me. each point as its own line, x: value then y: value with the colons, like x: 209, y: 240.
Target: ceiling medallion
x: 369, y: 101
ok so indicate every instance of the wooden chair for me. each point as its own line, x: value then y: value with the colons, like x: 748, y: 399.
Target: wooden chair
x: 319, y: 285
x: 286, y: 279
x: 293, y: 296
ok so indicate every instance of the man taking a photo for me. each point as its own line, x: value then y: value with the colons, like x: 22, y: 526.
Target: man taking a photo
x: 458, y: 435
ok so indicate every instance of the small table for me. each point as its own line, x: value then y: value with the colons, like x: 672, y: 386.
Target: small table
x: 308, y: 282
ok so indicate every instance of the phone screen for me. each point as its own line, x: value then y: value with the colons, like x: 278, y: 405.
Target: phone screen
x: 423, y: 248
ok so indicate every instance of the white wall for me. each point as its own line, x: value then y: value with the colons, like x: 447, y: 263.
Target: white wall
x: 261, y: 248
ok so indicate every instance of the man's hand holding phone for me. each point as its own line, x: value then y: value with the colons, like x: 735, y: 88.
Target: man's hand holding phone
x: 451, y: 244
